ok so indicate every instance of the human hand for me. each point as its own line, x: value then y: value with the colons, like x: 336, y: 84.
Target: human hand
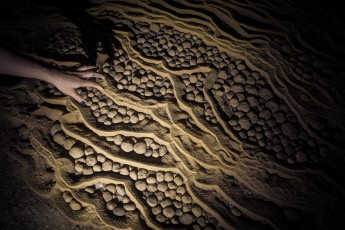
x: 69, y: 81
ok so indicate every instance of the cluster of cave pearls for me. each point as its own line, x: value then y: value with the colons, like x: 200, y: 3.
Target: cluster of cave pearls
x: 196, y: 128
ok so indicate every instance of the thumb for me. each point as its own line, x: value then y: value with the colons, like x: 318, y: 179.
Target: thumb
x: 92, y: 84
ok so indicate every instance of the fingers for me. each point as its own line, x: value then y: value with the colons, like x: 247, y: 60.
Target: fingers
x: 88, y: 74
x: 92, y: 84
x: 86, y: 67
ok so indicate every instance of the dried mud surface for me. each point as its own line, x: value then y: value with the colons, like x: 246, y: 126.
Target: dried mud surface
x: 214, y: 115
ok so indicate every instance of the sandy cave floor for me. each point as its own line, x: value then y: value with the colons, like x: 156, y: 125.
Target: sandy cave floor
x: 214, y: 115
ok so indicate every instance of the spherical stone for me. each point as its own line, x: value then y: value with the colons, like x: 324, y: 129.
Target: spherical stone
x: 101, y: 158
x: 201, y: 221
x: 127, y: 147
x: 160, y: 176
x: 107, y: 165
x: 141, y: 116
x: 126, y: 199
x: 142, y: 173
x: 161, y: 218
x: 67, y: 197
x: 223, y: 75
x: 279, y: 116
x: 187, y: 207
x: 277, y: 148
x: 178, y: 212
x: 197, y: 211
x: 168, y: 176
x: 69, y: 143
x: 243, y: 106
x: 91, y: 160
x: 168, y: 212
x: 133, y: 175
x: 107, y: 196
x: 272, y: 105
x: 119, y: 211
x: 56, y: 128
x: 233, y: 102
x: 171, y: 193
x: 75, y: 205
x: 134, y: 119
x: 59, y: 138
x: 199, y: 98
x: 124, y: 171
x: 172, y: 185
x: 166, y: 202
x: 155, y: 27
x: 152, y: 201
x: 112, y: 113
x: 162, y: 150
x: 132, y: 88
x: 237, y: 88
x: 178, y: 180
x: 120, y: 189
x: 117, y: 119
x: 116, y: 167
x: 186, y: 199
x: 111, y: 205
x: 241, y: 67
x: 79, y: 167
x: 190, y: 97
x: 162, y: 186
x: 111, y: 188
x: 178, y: 204
x: 265, y: 114
x: 90, y: 189
x: 76, y: 152
x: 151, y: 180
x: 87, y: 170
x: 160, y: 195
x: 140, y: 147
x: 107, y: 122
x: 152, y: 188
x: 244, y: 122
x: 193, y: 79
x: 97, y: 168
x: 266, y: 93
x: 118, y: 139
x: 156, y: 210
x: 186, y: 218
x: 252, y: 101
x: 171, y: 52
x: 129, y: 207
x: 181, y: 190
x: 141, y: 185
x: 89, y: 150
x: 301, y: 157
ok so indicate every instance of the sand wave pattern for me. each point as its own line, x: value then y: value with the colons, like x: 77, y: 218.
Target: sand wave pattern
x: 210, y: 118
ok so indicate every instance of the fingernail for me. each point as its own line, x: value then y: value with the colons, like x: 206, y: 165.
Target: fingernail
x: 82, y: 103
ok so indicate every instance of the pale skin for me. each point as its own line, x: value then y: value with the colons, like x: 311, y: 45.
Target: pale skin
x: 67, y: 82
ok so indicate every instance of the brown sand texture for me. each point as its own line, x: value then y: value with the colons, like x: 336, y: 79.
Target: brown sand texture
x: 196, y: 128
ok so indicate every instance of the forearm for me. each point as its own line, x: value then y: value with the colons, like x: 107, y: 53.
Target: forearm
x: 15, y: 65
